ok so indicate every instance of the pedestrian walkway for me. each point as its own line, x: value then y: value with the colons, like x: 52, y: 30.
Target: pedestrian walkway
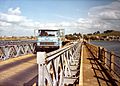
x: 92, y: 74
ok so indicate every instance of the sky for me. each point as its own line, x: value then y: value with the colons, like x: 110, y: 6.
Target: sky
x: 21, y: 17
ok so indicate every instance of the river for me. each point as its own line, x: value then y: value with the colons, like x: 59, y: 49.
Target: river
x: 109, y: 45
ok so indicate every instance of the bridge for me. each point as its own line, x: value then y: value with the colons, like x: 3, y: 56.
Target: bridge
x: 77, y: 64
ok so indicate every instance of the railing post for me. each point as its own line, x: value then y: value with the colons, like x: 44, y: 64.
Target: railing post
x: 110, y: 62
x: 105, y: 57
x: 41, y: 62
x: 105, y: 54
x: 113, y: 61
x: 99, y: 53
x: 81, y: 67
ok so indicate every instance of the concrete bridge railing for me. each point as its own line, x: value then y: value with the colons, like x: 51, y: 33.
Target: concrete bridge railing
x: 108, y: 59
x: 59, y: 67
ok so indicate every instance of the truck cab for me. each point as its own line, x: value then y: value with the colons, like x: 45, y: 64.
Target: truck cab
x: 48, y: 39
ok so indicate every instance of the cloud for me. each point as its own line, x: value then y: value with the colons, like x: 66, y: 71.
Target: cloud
x: 64, y: 17
x: 12, y: 21
x: 106, y: 17
x: 65, y: 24
x: 14, y: 17
x: 15, y: 11
x: 112, y: 8
x: 11, y: 18
x: 106, y: 12
x: 2, y: 24
x: 100, y: 18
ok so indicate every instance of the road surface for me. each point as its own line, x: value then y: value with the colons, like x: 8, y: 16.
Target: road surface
x: 17, y: 71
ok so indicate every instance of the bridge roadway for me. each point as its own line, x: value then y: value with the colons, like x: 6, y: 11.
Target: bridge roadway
x: 17, y: 71
x: 20, y: 70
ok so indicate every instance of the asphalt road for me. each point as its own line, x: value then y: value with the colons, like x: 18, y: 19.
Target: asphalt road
x: 17, y: 71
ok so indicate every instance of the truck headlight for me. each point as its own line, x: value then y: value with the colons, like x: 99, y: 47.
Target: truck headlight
x: 38, y: 44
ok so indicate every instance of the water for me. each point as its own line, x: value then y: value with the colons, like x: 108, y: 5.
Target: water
x: 109, y: 45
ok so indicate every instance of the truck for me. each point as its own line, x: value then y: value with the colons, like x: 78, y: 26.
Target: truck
x: 48, y: 39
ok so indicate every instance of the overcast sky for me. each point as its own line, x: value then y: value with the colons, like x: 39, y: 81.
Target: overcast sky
x: 21, y: 17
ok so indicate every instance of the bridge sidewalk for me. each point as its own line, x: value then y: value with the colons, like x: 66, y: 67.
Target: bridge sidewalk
x: 91, y: 73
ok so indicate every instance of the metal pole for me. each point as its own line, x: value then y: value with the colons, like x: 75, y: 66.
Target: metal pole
x: 41, y: 62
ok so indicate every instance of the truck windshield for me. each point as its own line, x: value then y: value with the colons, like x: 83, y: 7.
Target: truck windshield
x: 48, y: 33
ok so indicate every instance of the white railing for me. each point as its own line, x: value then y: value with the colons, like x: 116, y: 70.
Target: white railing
x: 59, y: 67
x: 15, y: 49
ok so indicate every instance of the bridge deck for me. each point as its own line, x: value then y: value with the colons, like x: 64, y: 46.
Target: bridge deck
x: 17, y: 71
x: 92, y: 73
x: 20, y: 70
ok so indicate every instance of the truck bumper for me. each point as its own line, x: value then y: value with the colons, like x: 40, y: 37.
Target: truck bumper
x: 46, y: 48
